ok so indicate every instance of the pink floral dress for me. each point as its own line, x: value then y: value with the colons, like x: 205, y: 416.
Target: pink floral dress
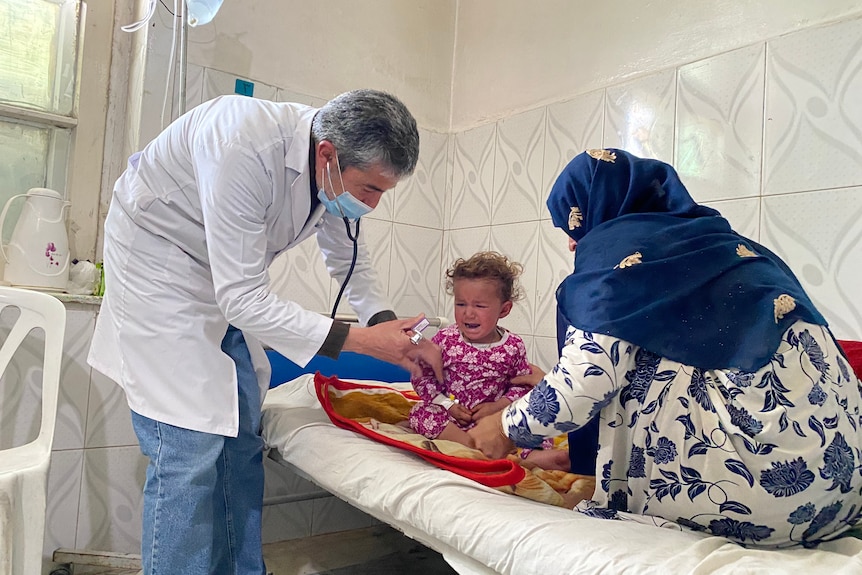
x: 472, y: 375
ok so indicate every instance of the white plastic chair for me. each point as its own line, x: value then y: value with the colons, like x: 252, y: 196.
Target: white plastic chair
x: 24, y: 468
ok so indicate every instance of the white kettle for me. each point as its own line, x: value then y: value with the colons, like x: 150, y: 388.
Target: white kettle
x: 37, y: 255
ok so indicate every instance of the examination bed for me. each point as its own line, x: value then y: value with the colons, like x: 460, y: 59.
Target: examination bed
x: 480, y: 530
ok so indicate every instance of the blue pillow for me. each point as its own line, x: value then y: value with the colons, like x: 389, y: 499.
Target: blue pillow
x: 349, y: 365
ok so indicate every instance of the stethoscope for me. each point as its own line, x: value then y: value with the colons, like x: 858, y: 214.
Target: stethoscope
x: 354, y: 236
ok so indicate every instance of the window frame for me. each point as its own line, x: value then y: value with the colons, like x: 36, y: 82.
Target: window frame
x: 96, y: 123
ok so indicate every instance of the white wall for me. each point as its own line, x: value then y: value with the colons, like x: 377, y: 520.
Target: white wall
x: 325, y: 48
x: 513, y: 55
x: 769, y: 134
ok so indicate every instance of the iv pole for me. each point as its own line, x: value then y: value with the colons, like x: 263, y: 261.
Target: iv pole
x: 183, y: 58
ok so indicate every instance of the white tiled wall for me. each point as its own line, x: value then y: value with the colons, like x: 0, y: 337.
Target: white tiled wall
x: 419, y: 199
x: 770, y: 135
x: 719, y: 125
x: 814, y: 110
x: 473, y: 177
x: 518, y: 164
x: 520, y: 242
x: 573, y: 126
x: 639, y: 116
x: 820, y: 234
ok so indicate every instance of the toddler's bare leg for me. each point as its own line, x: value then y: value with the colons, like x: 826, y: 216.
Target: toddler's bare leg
x: 454, y: 433
x: 549, y: 459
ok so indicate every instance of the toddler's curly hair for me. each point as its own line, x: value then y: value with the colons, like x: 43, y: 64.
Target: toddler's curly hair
x: 492, y: 266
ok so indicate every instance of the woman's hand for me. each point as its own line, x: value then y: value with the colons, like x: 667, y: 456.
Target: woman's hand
x: 532, y: 379
x: 485, y: 409
x: 489, y: 438
x: 390, y: 342
x: 461, y: 414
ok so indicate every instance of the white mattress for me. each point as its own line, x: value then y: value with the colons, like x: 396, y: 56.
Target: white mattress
x: 482, y: 531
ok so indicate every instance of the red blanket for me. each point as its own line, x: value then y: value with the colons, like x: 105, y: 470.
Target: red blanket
x: 376, y: 410
x: 853, y: 350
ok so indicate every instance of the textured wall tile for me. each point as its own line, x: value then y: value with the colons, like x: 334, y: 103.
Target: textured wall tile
x: 300, y: 275
x: 414, y: 276
x: 553, y: 264
x: 379, y: 241
x: 64, y: 490
x: 419, y: 199
x: 518, y: 168
x: 530, y: 345
x: 743, y: 215
x: 545, y: 355
x: 519, y: 242
x: 465, y: 242
x: 74, y: 377
x: 819, y: 235
x: 109, y: 420
x: 814, y: 116
x: 473, y: 177
x: 112, y: 500
x: 444, y: 303
x: 719, y: 125
x: 377, y: 235
x: 573, y: 126
x: 640, y: 115
x: 450, y: 171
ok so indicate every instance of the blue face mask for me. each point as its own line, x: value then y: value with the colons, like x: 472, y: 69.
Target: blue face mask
x: 344, y: 205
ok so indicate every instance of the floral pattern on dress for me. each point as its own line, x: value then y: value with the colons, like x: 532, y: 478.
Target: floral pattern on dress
x: 770, y: 458
x: 472, y: 375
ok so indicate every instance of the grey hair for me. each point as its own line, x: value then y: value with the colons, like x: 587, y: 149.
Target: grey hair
x: 368, y: 127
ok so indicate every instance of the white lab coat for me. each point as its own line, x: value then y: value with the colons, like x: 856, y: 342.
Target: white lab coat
x: 195, y: 221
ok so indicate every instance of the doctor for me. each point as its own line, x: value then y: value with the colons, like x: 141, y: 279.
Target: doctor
x: 195, y: 220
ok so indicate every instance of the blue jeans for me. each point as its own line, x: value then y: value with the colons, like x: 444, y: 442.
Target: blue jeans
x: 203, y: 495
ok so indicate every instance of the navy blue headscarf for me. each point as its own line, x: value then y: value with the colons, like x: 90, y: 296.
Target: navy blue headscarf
x: 655, y: 268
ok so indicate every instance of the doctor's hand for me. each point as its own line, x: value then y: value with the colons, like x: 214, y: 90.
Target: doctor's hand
x: 390, y: 342
x: 489, y: 438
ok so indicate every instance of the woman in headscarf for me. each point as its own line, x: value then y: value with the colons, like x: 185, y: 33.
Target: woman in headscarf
x: 724, y: 402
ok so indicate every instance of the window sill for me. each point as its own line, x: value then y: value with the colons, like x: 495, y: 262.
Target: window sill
x: 67, y: 298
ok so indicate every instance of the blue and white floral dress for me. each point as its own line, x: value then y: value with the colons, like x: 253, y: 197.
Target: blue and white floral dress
x: 769, y: 458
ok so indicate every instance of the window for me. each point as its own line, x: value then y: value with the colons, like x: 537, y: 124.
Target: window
x: 38, y: 71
